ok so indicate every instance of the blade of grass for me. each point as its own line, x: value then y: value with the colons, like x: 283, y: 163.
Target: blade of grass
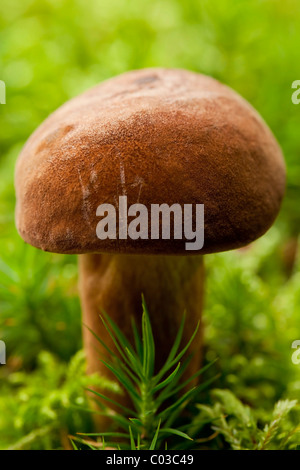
x: 116, y: 335
x: 137, y: 339
x: 117, y: 332
x: 136, y: 364
x: 169, y: 364
x: 176, y: 432
x: 103, y: 434
x: 173, y: 351
x: 124, y: 408
x: 114, y: 356
x: 167, y: 395
x: 153, y: 443
x: 183, y: 351
x: 125, y: 381
x: 148, y: 343
x: 165, y: 382
x: 164, y: 414
x: 132, y: 443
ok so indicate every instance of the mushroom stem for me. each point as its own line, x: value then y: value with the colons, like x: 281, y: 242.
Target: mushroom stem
x: 114, y: 283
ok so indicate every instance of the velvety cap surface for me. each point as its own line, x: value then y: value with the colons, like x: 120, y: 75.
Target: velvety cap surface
x: 157, y: 136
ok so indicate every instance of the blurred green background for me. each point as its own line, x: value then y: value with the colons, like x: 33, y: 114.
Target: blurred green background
x: 51, y: 51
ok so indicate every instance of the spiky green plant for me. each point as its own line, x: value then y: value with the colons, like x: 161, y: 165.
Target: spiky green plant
x: 158, y: 399
x: 238, y: 425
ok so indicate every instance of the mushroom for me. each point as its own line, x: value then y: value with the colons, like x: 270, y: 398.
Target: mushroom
x: 156, y: 136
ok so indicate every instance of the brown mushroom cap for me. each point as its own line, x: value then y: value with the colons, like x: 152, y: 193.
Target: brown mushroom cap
x: 158, y: 136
